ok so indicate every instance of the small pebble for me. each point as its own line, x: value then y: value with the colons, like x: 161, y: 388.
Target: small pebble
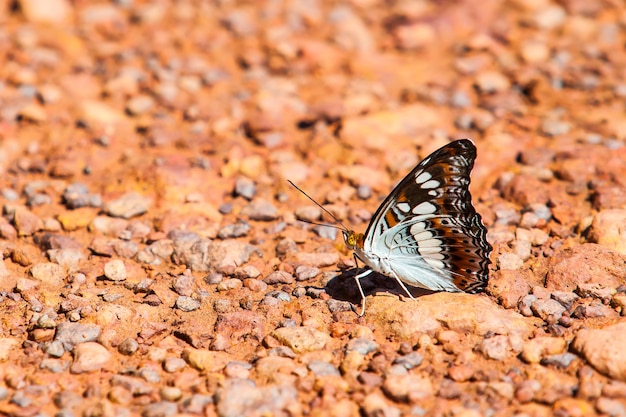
x: 172, y: 365
x: 245, y: 188
x: 89, y: 357
x: 160, y: 409
x: 127, y: 206
x: 170, y: 393
x: 234, y: 230
x: 187, y: 304
x: 409, y: 361
x: 279, y: 277
x: 260, y: 210
x: 213, y: 278
x: 115, y: 270
x: 183, y: 285
x: 322, y: 368
x: 128, y: 346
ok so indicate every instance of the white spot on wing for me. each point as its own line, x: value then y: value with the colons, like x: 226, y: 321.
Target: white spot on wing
x: 424, y: 208
x: 430, y: 243
x: 429, y: 250
x: 431, y: 184
x: 432, y: 193
x: 404, y: 207
x: 435, y: 263
x: 423, y: 177
x: 420, y: 234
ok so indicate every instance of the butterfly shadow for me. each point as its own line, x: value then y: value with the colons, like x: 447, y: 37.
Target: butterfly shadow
x: 343, y: 287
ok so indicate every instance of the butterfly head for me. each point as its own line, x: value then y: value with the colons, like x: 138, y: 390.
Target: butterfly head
x: 352, y: 239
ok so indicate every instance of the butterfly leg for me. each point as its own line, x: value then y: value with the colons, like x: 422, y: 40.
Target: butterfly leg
x: 404, y: 288
x: 358, y: 284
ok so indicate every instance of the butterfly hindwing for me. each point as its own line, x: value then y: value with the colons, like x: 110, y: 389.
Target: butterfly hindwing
x: 431, y: 215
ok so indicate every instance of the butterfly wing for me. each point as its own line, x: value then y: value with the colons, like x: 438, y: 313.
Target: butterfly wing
x: 430, y: 214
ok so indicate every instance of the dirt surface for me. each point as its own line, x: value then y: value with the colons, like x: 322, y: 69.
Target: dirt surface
x: 153, y: 260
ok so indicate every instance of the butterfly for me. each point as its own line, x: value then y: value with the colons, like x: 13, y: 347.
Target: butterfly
x: 427, y: 233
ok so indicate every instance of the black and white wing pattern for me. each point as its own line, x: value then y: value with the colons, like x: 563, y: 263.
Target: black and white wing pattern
x: 427, y: 233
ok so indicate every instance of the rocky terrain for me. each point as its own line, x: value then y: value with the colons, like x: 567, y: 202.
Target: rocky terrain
x: 153, y: 259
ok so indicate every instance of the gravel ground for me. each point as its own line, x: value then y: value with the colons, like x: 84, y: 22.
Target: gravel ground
x: 153, y: 261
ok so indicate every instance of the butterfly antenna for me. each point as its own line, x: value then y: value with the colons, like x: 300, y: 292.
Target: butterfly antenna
x: 320, y: 206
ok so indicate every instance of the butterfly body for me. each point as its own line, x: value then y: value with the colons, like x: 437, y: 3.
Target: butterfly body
x: 427, y: 233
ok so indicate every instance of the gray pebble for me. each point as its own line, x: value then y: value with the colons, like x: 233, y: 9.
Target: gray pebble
x: 337, y: 306
x: 541, y: 210
x: 362, y: 345
x: 562, y: 360
x: 260, y: 210
x: 234, y: 230
x: 241, y: 397
x: 364, y: 192
x: 187, y: 304
x: 325, y: 232
x: 309, y: 213
x: 299, y: 291
x: 529, y: 220
x: 279, y: 295
x: 47, y: 321
x: 566, y: 298
x: 38, y: 199
x: 65, y: 257
x: 54, y: 365
x: 54, y: 349
x: 149, y: 374
x: 183, y: 285
x: 172, y: 365
x: 396, y: 370
x: 160, y: 409
x: 245, y: 188
x: 285, y: 246
x: 315, y: 292
x: 288, y: 323
x: 127, y: 206
x: 109, y: 298
x: 460, y: 99
x: 128, y: 346
x: 409, y: 361
x: 213, y: 278
x: 548, y: 310
x: 225, y: 208
x: 135, y: 385
x: 77, y: 195
x: 323, y: 368
x: 9, y: 194
x: 282, y: 351
x: 507, y: 215
x: 304, y: 272
x: 70, y: 334
x: 237, y: 369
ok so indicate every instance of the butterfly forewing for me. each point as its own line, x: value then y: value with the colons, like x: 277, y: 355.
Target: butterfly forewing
x: 431, y: 209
